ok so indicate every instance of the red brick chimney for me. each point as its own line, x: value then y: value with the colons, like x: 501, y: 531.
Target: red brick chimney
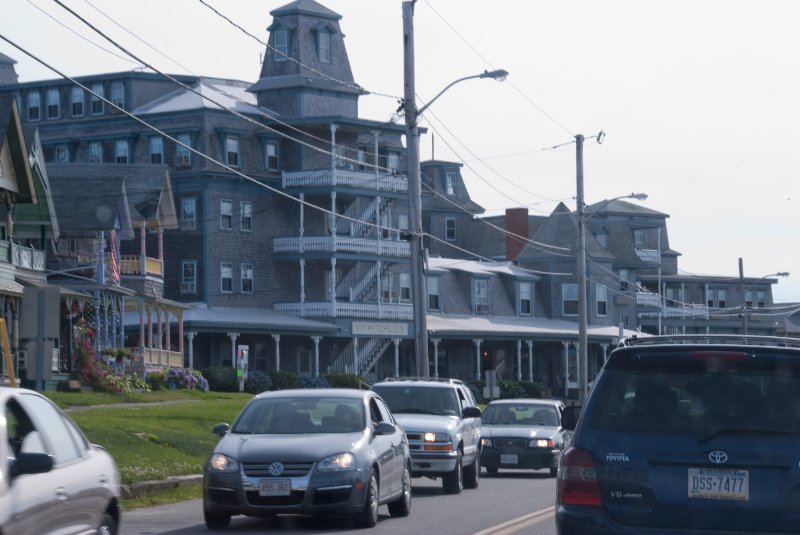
x: 517, y: 227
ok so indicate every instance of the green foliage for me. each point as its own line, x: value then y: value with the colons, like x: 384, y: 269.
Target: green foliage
x: 257, y: 382
x: 511, y: 389
x: 344, y: 380
x: 282, y: 380
x: 157, y: 380
x: 125, y: 384
x: 221, y: 379
x: 534, y: 389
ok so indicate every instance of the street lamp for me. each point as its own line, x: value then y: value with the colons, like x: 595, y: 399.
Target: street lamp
x: 583, y: 319
x: 416, y: 245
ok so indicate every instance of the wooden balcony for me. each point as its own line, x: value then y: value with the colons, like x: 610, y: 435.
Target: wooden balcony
x: 342, y: 244
x: 326, y: 309
x: 22, y: 257
x: 345, y: 178
x: 132, y: 265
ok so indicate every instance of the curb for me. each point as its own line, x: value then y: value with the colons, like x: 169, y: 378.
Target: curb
x: 144, y: 488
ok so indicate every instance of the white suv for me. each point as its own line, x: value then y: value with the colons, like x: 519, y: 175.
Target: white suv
x: 443, y: 425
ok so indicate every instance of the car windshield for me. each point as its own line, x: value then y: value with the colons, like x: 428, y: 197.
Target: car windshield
x: 300, y: 415
x: 417, y: 399
x: 520, y: 414
x: 702, y: 396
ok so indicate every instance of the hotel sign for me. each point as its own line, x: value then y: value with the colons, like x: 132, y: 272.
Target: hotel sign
x: 370, y: 328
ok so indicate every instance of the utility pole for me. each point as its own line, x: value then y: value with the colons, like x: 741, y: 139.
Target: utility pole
x: 744, y: 298
x: 583, y: 338
x: 414, y: 196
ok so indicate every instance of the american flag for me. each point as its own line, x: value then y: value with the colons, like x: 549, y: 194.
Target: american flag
x: 114, y: 267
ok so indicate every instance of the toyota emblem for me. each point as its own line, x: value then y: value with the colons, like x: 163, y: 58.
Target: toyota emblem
x: 718, y: 457
x: 276, y: 468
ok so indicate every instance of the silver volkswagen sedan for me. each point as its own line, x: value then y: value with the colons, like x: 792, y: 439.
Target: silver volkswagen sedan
x: 52, y: 480
x: 314, y: 451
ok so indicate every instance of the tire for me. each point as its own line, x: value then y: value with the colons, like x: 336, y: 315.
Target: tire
x: 554, y: 471
x: 217, y: 520
x: 107, y: 526
x: 402, y: 505
x: 491, y: 470
x: 368, y: 516
x: 453, y: 483
x: 472, y: 474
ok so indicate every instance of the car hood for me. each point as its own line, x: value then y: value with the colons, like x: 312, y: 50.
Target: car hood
x: 426, y: 422
x: 521, y: 431
x: 298, y: 448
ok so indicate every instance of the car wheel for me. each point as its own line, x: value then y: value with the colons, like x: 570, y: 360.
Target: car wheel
x: 217, y: 520
x: 368, y: 516
x: 402, y: 506
x: 472, y: 474
x: 453, y: 482
x: 492, y: 470
x: 554, y: 471
x: 107, y: 526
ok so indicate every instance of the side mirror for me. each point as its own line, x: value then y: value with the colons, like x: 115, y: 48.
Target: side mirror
x: 384, y: 428
x: 472, y: 412
x: 221, y: 429
x: 31, y: 463
x: 569, y: 418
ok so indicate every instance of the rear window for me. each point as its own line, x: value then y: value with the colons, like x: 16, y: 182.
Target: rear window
x: 419, y: 399
x: 698, y: 393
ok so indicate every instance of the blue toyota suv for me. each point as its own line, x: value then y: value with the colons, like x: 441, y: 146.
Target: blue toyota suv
x: 686, y: 434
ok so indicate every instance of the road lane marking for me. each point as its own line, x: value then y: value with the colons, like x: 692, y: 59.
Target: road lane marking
x: 515, y: 524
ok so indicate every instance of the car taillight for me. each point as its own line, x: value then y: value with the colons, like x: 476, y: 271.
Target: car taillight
x: 577, y: 479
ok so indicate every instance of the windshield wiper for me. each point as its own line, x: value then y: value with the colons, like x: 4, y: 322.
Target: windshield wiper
x: 743, y: 431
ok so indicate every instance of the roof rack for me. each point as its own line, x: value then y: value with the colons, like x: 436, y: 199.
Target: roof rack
x: 714, y: 339
x: 420, y: 378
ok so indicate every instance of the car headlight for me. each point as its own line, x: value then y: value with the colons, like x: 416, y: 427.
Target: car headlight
x: 338, y: 462
x: 223, y: 463
x: 435, y: 437
x: 540, y: 443
x: 486, y: 442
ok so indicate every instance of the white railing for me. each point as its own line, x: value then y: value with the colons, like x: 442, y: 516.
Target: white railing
x: 651, y: 256
x: 326, y: 309
x: 369, y: 349
x: 345, y: 178
x: 689, y: 311
x: 340, y: 244
x: 648, y: 299
x: 27, y: 257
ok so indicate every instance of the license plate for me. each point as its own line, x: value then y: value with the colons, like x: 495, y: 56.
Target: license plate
x: 275, y: 487
x: 508, y: 458
x: 719, y: 484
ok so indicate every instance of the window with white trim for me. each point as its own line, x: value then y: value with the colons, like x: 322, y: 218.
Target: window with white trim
x: 183, y: 156
x: 601, y: 295
x: 34, y: 106
x: 722, y: 298
x: 188, y: 276
x: 225, y: 214
x: 226, y: 277
x: 156, y: 149
x: 118, y: 94
x: 324, y: 46
x: 405, y: 287
x: 62, y: 153
x: 95, y: 152
x: 232, y: 150
x: 525, y: 298
x: 748, y: 299
x: 480, y: 289
x: 393, y: 161
x: 77, y: 99
x: 569, y: 299
x: 96, y: 102
x: 246, y: 216
x: 638, y: 238
x: 761, y: 299
x: 188, y: 213
x: 450, y: 229
x: 451, y: 183
x: 247, y: 278
x: 434, y: 293
x: 53, y: 104
x: 303, y: 361
x: 271, y: 155
x: 281, y: 45
x: 121, y: 151
x: 624, y: 279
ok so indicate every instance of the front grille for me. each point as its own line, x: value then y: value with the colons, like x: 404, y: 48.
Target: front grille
x: 510, y: 443
x: 295, y: 498
x: 327, y: 497
x: 289, y: 469
x: 223, y: 496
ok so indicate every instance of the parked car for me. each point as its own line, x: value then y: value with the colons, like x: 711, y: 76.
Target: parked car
x: 313, y: 451
x: 686, y: 434
x: 522, y: 433
x: 52, y: 480
x: 443, y: 424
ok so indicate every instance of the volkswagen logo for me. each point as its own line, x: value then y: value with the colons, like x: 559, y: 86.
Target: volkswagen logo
x: 718, y: 457
x: 276, y: 468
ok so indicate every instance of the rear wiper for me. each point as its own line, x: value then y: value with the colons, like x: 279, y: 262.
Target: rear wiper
x: 743, y: 431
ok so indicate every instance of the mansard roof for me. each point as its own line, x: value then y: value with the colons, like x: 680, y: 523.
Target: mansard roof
x: 306, y: 7
x: 216, y: 92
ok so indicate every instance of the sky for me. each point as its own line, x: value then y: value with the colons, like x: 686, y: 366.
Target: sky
x: 698, y: 100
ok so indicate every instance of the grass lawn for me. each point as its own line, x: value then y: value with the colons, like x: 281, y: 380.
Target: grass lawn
x: 156, y: 434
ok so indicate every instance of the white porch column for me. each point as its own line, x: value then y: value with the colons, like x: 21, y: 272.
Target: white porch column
x: 190, y: 335
x: 141, y: 327
x: 396, y: 357
x: 519, y: 360
x: 435, y: 342
x: 160, y: 249
x: 530, y: 360
x: 316, y: 340
x: 160, y: 331
x: 169, y: 328
x: 333, y: 287
x: 143, y: 250
x: 333, y: 152
x: 150, y: 327
x: 355, y: 355
x: 233, y: 337
x: 477, y: 342
x: 566, y: 367
x: 302, y: 282
x: 277, y: 339
x: 302, y: 215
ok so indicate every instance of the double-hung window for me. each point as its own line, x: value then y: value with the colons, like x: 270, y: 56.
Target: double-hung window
x: 246, y: 216
x: 281, y: 44
x: 62, y: 153
x: 118, y: 94
x: 405, y: 287
x: 34, y: 106
x: 324, y: 46
x: 188, y: 213
x: 601, y: 293
x: 96, y: 99
x: 53, y: 104
x: 183, y: 156
x: 481, y: 292
x: 247, y: 278
x: 232, y: 150
x: 451, y: 183
x: 569, y: 299
x: 434, y: 293
x: 450, y: 229
x: 121, y: 151
x: 156, y: 149
x: 226, y: 277
x: 761, y: 299
x: 225, y: 214
x: 76, y: 97
x: 271, y: 155
x: 95, y: 152
x: 188, y: 276
x: 525, y: 298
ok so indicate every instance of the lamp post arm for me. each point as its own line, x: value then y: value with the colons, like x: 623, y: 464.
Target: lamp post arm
x: 499, y: 74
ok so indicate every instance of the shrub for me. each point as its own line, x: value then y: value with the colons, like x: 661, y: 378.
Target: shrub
x: 221, y: 378
x: 511, y: 389
x: 307, y: 381
x: 125, y: 384
x: 186, y: 378
x: 157, y: 380
x: 283, y: 380
x: 256, y: 383
x: 534, y: 389
x: 344, y: 380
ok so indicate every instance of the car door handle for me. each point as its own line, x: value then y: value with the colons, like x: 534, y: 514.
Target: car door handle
x: 61, y: 494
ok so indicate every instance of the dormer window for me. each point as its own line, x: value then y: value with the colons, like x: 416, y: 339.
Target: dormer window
x: 324, y: 47
x: 281, y: 44
x: 451, y: 183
